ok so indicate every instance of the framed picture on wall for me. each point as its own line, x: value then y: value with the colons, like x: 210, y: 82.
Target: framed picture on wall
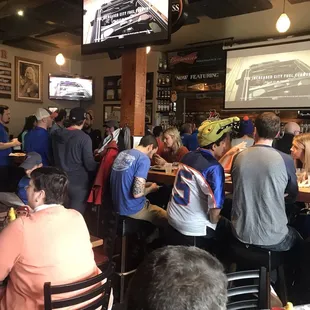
x: 112, y: 87
x: 148, y: 113
x: 28, y: 80
x: 112, y: 112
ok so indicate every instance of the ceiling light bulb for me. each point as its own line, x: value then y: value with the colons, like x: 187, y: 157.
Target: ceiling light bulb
x: 20, y: 13
x: 60, y: 59
x: 148, y: 49
x: 283, y: 23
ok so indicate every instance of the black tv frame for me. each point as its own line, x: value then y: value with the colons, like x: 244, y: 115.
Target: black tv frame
x: 95, y: 48
x: 71, y: 77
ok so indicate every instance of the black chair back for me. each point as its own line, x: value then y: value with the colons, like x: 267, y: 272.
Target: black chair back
x: 254, y: 296
x: 101, y: 291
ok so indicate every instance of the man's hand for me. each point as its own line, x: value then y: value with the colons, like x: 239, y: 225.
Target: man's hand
x: 15, y: 142
x: 153, y: 188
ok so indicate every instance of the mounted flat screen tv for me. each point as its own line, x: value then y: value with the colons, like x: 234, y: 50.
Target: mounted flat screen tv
x: 270, y: 77
x: 113, y: 24
x: 70, y: 88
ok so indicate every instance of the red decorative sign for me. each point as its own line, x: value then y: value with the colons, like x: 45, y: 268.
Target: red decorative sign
x: 188, y: 59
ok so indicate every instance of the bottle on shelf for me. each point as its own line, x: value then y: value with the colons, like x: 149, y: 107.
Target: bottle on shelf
x: 160, y: 64
x: 167, y: 79
x: 165, y: 65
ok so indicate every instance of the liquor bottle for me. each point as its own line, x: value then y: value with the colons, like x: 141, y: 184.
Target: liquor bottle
x: 167, y: 79
x: 160, y: 65
x: 165, y: 65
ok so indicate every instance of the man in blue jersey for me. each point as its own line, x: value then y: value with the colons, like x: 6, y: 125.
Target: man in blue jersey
x: 5, y: 145
x: 38, y: 139
x: 129, y: 187
x: 198, y: 192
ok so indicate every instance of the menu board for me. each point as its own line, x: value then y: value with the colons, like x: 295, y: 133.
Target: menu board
x: 109, y: 24
x: 5, y: 80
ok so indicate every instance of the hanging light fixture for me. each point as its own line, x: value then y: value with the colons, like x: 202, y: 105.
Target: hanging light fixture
x: 283, y: 23
x: 60, y: 59
x: 148, y: 49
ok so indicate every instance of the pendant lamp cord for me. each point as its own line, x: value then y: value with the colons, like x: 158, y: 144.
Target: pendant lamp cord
x: 284, y: 6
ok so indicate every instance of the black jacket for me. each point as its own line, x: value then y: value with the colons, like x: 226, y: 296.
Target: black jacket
x: 72, y: 151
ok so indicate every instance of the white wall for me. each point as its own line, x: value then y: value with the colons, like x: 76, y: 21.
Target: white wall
x: 100, y: 68
x: 19, y: 110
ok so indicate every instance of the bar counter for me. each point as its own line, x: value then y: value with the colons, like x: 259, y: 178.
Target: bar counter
x: 168, y: 179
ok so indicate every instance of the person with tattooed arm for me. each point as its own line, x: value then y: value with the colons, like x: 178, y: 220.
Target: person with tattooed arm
x: 129, y: 187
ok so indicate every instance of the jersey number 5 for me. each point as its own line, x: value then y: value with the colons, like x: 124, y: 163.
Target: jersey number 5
x: 182, y: 187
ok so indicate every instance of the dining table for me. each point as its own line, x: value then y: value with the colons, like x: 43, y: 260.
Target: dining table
x: 161, y: 177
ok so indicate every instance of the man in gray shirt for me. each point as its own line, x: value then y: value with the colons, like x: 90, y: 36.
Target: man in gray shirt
x: 262, y: 177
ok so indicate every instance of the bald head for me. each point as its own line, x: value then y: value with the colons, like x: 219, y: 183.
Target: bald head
x: 292, y: 128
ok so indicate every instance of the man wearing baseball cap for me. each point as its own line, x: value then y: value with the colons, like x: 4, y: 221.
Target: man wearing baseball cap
x: 32, y: 162
x: 38, y: 139
x: 198, y: 193
x: 72, y: 149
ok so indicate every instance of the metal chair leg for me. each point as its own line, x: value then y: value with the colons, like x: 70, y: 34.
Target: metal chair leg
x: 281, y: 284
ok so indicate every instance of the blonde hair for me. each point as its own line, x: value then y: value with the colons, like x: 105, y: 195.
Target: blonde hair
x: 175, y: 135
x: 32, y: 72
x: 302, y: 141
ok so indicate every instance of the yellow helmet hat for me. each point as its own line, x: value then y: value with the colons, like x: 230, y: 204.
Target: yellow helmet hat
x: 210, y: 132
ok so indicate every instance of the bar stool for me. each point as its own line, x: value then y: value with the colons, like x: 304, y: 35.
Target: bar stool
x: 128, y: 227
x: 248, y: 257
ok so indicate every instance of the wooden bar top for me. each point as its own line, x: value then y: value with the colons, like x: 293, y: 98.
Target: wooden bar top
x: 168, y: 179
x: 161, y: 177
x: 95, y: 241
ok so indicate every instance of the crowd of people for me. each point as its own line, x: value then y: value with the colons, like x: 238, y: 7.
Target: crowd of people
x: 62, y: 160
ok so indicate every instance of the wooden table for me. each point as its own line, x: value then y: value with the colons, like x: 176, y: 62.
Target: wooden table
x: 95, y: 241
x: 168, y: 179
x: 303, y: 195
x: 161, y: 177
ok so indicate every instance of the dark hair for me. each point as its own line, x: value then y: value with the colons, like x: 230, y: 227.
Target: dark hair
x: 267, y: 125
x: 157, y: 131
x: 53, y: 181
x: 3, y: 108
x: 179, y: 278
x: 61, y: 115
x: 217, y: 142
x: 29, y: 123
x: 148, y: 140
x: 186, y: 128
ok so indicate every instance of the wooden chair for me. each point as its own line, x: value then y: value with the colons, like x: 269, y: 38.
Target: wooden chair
x: 259, y: 293
x: 102, y: 292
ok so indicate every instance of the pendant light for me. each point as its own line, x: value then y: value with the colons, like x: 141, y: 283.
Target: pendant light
x: 283, y: 23
x: 60, y: 59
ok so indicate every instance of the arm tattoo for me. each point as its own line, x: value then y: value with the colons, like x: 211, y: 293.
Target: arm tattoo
x: 138, y: 187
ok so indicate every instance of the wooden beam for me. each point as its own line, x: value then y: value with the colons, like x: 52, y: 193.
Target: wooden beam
x: 134, y: 69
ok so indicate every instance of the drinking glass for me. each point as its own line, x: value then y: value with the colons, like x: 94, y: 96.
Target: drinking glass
x: 168, y: 168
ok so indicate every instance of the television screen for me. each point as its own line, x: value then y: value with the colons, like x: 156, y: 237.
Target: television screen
x: 70, y: 88
x: 270, y: 77
x: 110, y: 24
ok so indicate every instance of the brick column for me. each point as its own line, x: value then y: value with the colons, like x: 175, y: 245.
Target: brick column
x: 134, y: 69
